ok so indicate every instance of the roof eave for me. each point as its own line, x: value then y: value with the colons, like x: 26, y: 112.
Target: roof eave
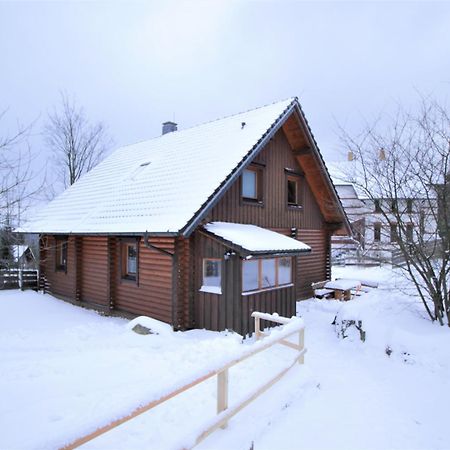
x: 323, y: 166
x: 102, y: 233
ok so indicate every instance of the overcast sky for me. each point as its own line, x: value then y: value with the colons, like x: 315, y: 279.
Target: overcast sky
x: 134, y: 65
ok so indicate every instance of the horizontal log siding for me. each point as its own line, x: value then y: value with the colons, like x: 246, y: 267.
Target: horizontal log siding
x: 94, y: 270
x: 61, y: 284
x: 312, y: 267
x: 152, y: 295
x: 274, y: 213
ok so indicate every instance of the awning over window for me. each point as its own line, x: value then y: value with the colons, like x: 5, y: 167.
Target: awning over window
x: 253, y: 240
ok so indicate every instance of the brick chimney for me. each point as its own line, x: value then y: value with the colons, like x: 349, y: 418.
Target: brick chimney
x: 350, y: 156
x: 169, y: 127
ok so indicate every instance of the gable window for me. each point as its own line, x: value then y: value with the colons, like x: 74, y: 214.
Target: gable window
x: 212, y: 276
x: 292, y: 191
x: 129, y: 259
x: 61, y: 254
x: 260, y: 274
x: 251, y: 182
x: 377, y: 232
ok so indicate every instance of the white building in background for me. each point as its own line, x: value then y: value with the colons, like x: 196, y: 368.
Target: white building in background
x: 375, y: 236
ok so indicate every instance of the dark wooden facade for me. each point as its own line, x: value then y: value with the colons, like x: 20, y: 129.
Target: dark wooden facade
x: 170, y: 270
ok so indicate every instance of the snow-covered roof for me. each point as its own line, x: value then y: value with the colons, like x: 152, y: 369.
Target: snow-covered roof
x: 256, y: 240
x: 159, y: 185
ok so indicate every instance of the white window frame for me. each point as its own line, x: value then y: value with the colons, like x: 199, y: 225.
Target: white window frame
x: 210, y: 288
x: 277, y: 285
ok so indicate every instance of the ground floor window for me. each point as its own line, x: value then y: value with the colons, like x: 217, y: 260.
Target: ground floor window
x: 266, y: 273
x: 212, y: 276
x: 129, y: 260
x: 61, y: 254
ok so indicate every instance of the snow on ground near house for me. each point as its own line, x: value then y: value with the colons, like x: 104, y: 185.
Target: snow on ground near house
x: 65, y: 370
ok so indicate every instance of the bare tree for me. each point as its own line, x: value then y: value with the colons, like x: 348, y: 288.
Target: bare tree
x: 402, y: 165
x: 16, y: 186
x: 77, y: 144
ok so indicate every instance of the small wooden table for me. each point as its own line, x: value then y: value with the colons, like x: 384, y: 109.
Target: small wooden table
x: 342, y: 288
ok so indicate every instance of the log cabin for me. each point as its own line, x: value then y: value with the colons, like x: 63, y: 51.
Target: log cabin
x: 197, y: 227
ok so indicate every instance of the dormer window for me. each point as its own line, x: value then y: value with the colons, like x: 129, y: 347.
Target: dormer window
x: 252, y: 184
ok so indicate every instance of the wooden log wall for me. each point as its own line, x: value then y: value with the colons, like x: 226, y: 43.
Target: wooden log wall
x: 274, y: 211
x: 152, y: 295
x: 60, y: 283
x: 93, y: 268
x: 185, y: 283
x: 314, y: 266
x: 93, y: 276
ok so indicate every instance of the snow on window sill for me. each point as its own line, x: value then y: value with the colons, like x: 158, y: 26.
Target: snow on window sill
x: 267, y: 289
x: 211, y: 289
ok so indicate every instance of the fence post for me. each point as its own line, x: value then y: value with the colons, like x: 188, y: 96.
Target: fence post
x: 257, y: 327
x: 301, y: 344
x: 222, y: 393
x: 20, y: 278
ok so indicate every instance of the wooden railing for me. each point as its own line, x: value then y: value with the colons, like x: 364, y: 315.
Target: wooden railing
x: 293, y: 326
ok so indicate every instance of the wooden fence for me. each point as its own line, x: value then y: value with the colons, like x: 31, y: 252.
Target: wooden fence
x: 294, y: 326
x: 19, y: 279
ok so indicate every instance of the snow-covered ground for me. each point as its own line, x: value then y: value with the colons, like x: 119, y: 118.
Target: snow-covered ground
x: 64, y: 371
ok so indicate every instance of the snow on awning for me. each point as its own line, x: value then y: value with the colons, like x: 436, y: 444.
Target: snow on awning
x: 254, y: 240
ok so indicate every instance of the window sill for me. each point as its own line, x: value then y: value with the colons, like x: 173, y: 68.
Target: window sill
x: 128, y: 280
x: 61, y: 269
x: 296, y: 207
x: 211, y: 289
x: 245, y: 294
x: 252, y: 202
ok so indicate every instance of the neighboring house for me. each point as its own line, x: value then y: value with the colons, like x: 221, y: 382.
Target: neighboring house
x: 199, y: 227
x: 24, y: 257
x: 347, y: 248
x: 375, y: 235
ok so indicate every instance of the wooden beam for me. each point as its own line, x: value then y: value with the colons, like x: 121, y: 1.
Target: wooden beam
x: 301, y: 151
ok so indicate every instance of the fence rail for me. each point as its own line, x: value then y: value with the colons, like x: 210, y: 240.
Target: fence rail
x: 292, y: 327
x: 19, y: 279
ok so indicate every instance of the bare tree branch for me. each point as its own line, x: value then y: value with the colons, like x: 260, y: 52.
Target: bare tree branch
x: 411, y: 185
x: 77, y: 144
